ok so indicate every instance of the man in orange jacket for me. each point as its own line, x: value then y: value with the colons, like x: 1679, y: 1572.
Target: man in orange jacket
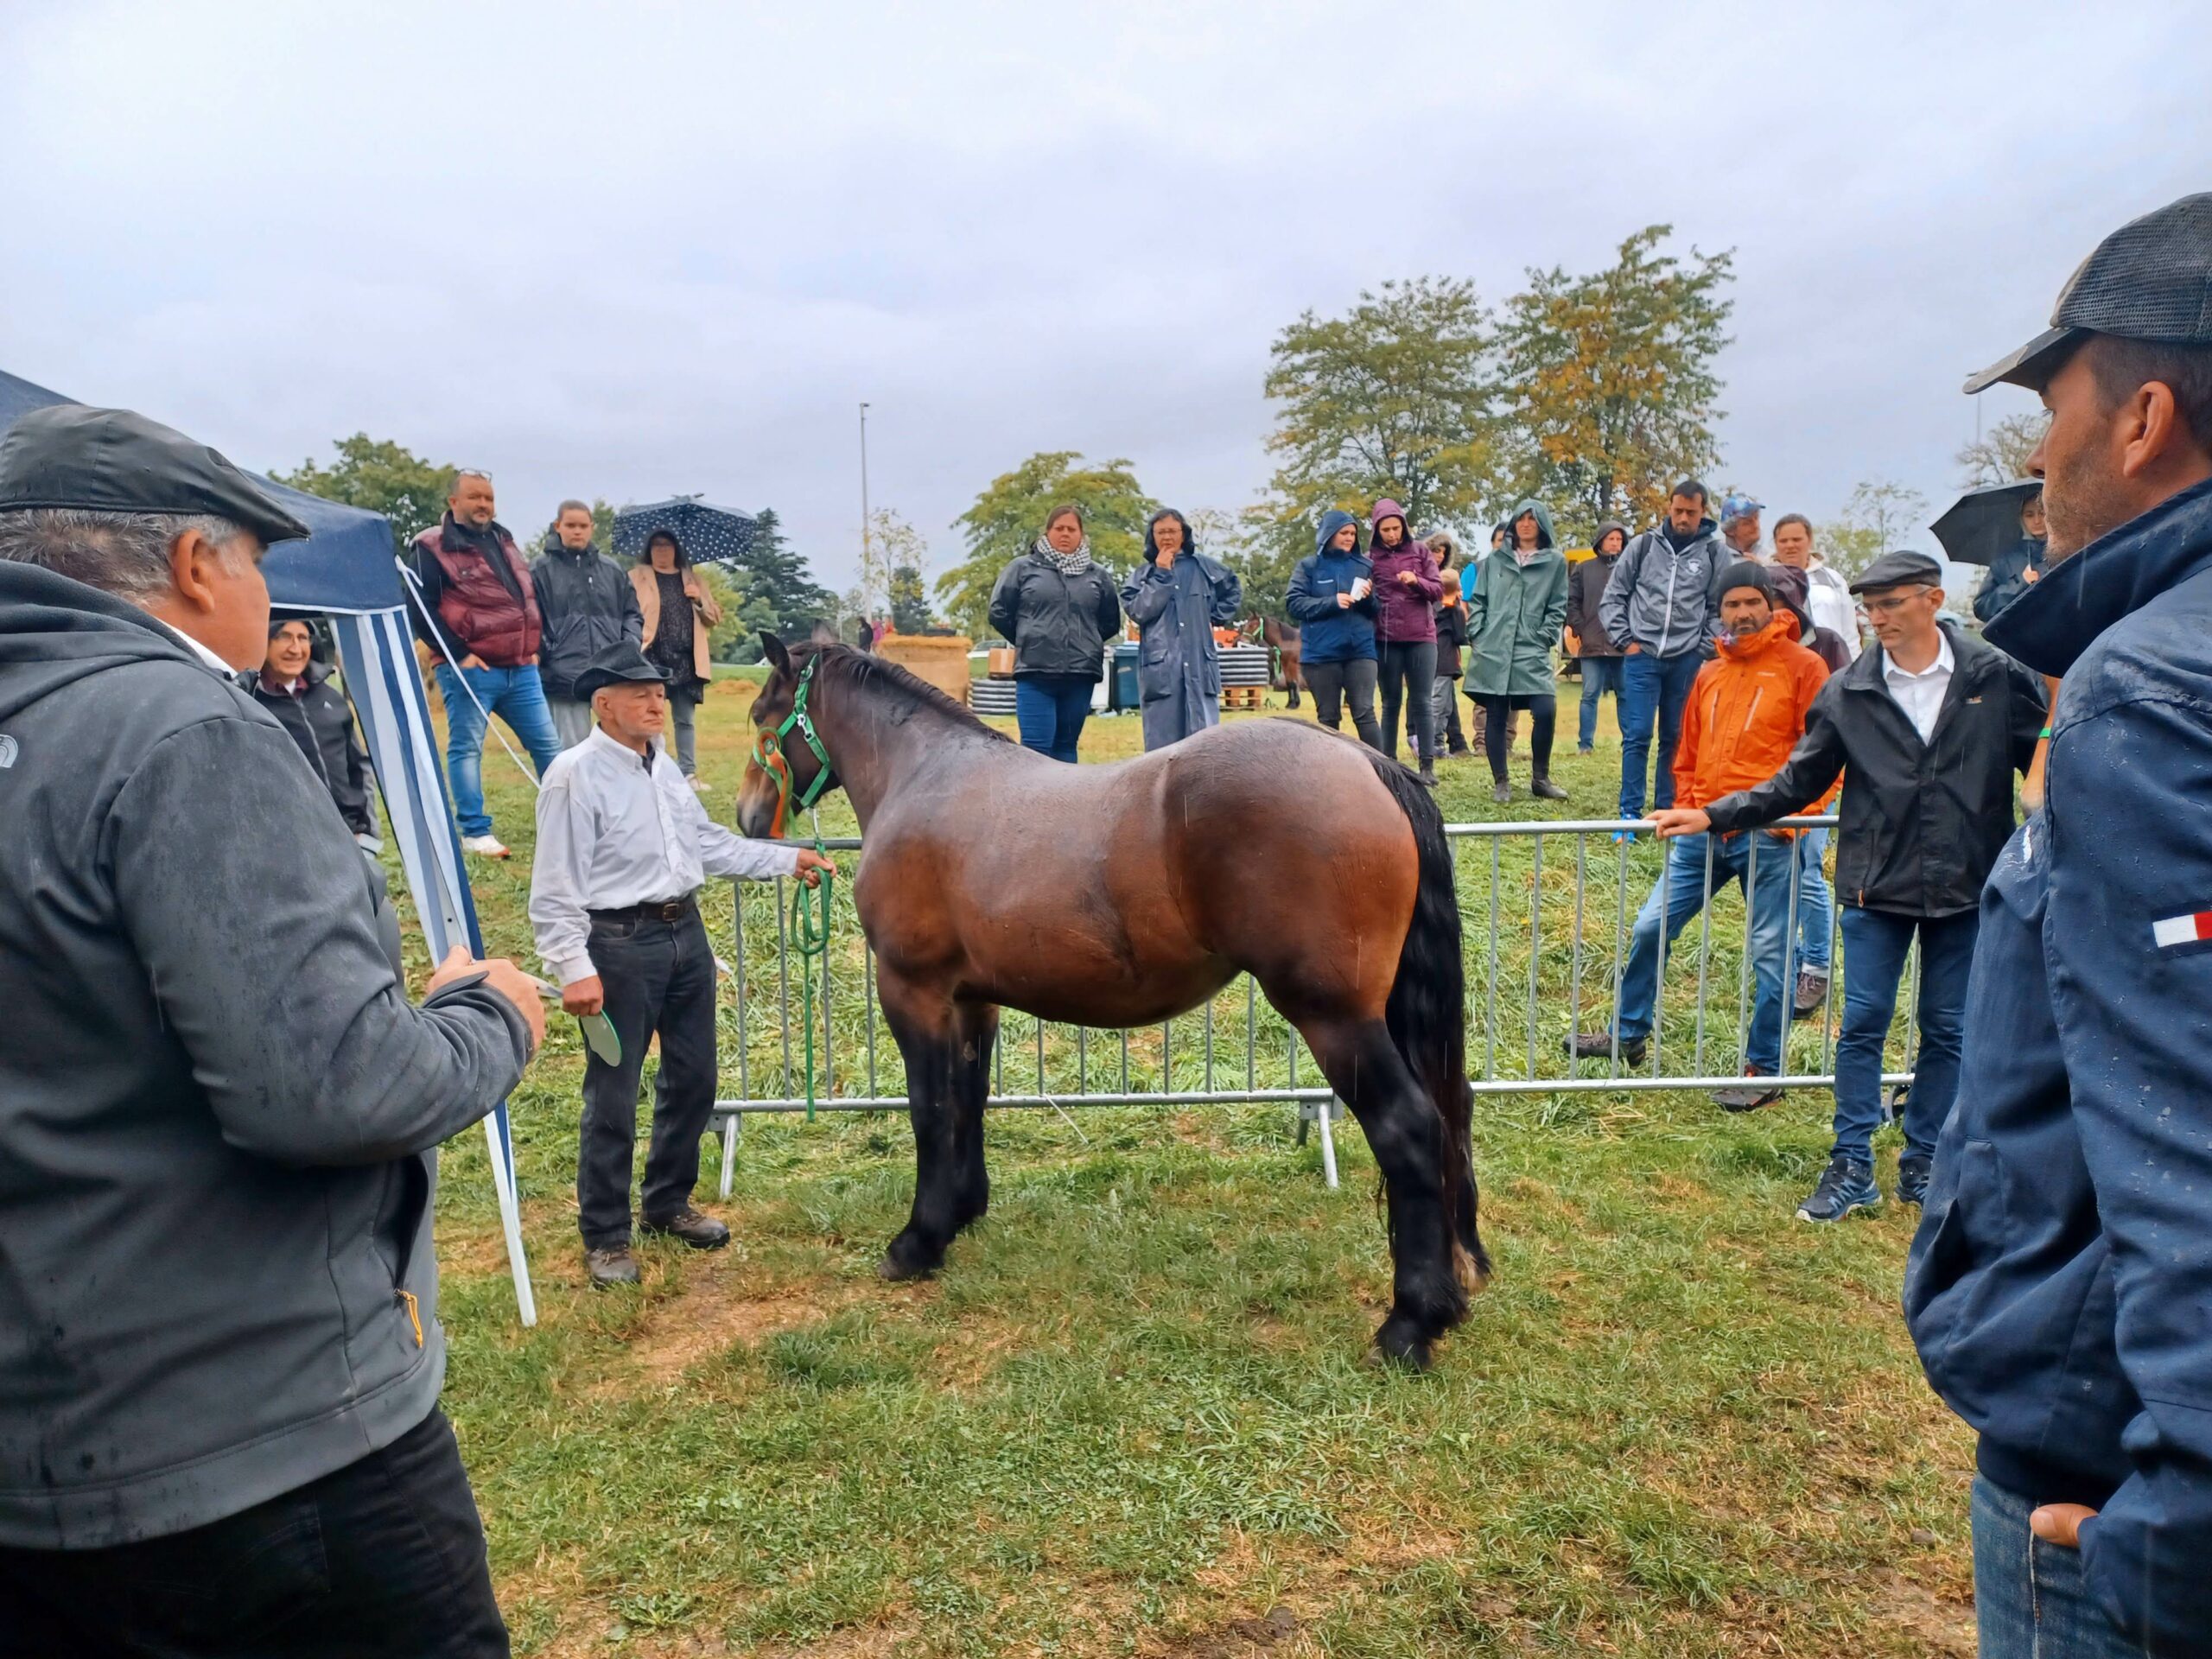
x: 1746, y: 711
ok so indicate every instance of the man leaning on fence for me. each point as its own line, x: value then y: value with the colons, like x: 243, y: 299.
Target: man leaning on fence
x: 623, y: 847
x: 1744, y: 710
x: 1926, y: 731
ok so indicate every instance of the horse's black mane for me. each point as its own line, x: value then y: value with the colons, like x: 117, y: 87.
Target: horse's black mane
x: 909, y: 692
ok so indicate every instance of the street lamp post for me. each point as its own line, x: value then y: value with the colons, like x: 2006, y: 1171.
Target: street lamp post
x: 866, y: 573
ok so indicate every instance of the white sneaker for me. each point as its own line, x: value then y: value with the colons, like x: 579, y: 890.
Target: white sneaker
x: 700, y: 786
x: 485, y: 846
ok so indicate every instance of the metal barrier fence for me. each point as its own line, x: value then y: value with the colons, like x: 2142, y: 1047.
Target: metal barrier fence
x: 1548, y: 931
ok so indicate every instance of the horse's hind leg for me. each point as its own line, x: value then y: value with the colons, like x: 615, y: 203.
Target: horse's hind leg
x: 1411, y: 1148
x: 947, y: 1062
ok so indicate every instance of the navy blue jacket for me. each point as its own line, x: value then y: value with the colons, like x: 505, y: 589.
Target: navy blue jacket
x: 1333, y: 633
x: 2059, y: 1288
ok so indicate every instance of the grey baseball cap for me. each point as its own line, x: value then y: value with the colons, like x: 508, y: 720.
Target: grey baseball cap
x: 116, y: 460
x: 2150, y: 279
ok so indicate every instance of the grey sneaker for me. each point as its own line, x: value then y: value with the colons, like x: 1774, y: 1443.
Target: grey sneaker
x: 1502, y: 793
x: 1599, y: 1046
x: 1746, y: 1096
x: 1812, y: 993
x: 1846, y: 1185
x: 611, y: 1268
x: 1913, y: 1171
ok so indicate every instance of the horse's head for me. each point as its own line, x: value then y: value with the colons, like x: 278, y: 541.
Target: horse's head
x: 786, y: 770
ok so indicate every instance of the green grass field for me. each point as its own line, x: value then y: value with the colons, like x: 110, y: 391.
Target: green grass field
x: 1134, y: 1415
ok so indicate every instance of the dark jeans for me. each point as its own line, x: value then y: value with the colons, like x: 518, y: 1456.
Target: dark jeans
x: 2030, y: 1599
x: 1408, y: 674
x: 659, y: 977
x: 1333, y: 684
x: 1600, y: 675
x: 1498, y: 731
x: 1049, y: 710
x: 1654, y: 689
x: 381, y: 1560
x: 1875, y: 946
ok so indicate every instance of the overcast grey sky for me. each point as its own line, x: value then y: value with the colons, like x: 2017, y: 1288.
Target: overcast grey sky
x: 627, y: 250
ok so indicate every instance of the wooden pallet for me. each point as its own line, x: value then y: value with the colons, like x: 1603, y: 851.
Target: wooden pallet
x: 1243, y: 697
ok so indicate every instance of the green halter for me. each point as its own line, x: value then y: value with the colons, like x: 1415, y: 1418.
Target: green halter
x: 768, y: 753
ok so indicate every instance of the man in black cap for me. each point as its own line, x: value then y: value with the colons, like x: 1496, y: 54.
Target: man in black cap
x: 2060, y: 1289
x: 623, y: 847
x: 219, y: 1348
x: 1926, y: 732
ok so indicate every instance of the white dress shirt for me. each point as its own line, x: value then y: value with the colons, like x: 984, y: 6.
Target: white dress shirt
x: 1828, y: 595
x: 615, y: 829
x: 200, y: 651
x: 1921, y: 695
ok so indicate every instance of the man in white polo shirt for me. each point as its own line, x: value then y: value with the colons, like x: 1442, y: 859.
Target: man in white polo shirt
x: 623, y: 848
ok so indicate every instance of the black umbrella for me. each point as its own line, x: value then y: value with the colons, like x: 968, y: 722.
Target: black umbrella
x: 709, y: 534
x: 1983, y: 523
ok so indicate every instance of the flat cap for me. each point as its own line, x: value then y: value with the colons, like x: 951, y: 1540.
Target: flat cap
x: 2150, y: 279
x: 116, y: 460
x: 1901, y: 570
x: 620, y: 663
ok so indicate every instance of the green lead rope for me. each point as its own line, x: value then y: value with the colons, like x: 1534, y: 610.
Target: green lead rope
x: 811, y: 927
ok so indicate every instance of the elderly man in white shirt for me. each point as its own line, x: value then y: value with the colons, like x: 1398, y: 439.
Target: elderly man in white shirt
x: 623, y: 848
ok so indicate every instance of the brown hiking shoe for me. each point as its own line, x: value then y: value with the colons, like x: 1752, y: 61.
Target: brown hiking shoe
x: 611, y: 1266
x: 700, y: 1232
x: 1747, y: 1096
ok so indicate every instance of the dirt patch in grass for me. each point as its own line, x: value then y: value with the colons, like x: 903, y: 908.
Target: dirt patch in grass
x: 714, y: 1313
x: 1941, y: 1628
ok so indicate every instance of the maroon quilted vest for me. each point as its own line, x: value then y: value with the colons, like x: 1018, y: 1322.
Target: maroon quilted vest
x: 476, y: 606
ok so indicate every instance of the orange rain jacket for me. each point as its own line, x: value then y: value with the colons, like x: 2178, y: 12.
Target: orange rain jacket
x: 1745, y: 713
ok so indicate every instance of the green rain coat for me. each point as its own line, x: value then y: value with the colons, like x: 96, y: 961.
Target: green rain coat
x: 1515, y: 614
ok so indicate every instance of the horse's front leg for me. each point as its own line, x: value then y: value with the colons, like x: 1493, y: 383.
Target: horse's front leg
x: 923, y: 1022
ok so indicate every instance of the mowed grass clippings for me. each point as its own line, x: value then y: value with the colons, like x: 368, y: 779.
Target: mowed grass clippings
x: 1135, y: 1414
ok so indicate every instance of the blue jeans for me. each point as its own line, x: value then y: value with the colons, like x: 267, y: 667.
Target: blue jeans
x: 1681, y: 893
x: 1652, y: 689
x: 1815, y: 909
x: 1875, y: 946
x: 515, y: 696
x: 2030, y: 1599
x: 1599, y: 676
x: 1050, y: 709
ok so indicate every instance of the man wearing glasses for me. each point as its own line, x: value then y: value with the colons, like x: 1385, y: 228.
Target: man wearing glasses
x: 1927, y: 732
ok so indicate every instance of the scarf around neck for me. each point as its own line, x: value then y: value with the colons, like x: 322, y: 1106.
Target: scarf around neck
x: 1068, y: 564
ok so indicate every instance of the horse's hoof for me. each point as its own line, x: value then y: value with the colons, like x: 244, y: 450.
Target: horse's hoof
x: 1400, y: 1343
x: 904, y: 1261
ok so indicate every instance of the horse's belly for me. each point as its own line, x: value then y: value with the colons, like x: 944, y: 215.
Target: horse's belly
x: 1102, y: 994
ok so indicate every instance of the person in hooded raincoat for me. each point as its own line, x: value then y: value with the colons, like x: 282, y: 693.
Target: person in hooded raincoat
x: 1177, y: 600
x: 1513, y: 614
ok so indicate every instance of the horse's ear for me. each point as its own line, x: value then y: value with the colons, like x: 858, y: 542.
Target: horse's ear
x: 772, y: 649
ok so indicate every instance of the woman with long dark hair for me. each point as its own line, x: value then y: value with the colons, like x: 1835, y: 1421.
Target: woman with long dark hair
x: 1059, y: 608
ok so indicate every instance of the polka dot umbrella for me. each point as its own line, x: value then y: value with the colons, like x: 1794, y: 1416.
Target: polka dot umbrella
x: 710, y: 535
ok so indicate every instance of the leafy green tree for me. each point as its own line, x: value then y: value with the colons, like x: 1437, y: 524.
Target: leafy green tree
x: 910, y: 599
x: 1009, y: 516
x: 775, y: 575
x: 2000, y: 454
x: 1613, y: 381
x: 383, y: 477
x: 1396, y: 398
x: 1879, y: 518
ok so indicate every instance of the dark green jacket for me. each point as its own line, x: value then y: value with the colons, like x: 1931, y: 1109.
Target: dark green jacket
x: 1514, y: 617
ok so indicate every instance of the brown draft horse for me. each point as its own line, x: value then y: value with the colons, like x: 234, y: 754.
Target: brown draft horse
x: 1124, y: 895
x: 1287, y: 640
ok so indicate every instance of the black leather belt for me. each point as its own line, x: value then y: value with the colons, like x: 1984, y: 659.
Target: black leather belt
x: 673, y: 910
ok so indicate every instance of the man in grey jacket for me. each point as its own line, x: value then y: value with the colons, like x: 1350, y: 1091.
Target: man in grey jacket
x: 1663, y: 608
x: 219, y: 1348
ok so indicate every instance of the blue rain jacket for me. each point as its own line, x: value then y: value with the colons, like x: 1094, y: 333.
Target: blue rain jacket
x: 2060, y: 1287
x: 1333, y: 633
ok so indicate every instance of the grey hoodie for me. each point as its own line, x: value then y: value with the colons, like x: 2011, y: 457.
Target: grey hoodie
x: 1665, y: 601
x: 217, y: 1109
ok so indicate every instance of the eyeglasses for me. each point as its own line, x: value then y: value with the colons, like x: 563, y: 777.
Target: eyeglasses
x: 1891, y: 604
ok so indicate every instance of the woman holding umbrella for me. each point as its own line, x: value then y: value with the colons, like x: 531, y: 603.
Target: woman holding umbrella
x: 679, y: 614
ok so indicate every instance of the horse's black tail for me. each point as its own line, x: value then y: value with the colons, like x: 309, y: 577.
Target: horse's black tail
x: 1426, y: 1010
